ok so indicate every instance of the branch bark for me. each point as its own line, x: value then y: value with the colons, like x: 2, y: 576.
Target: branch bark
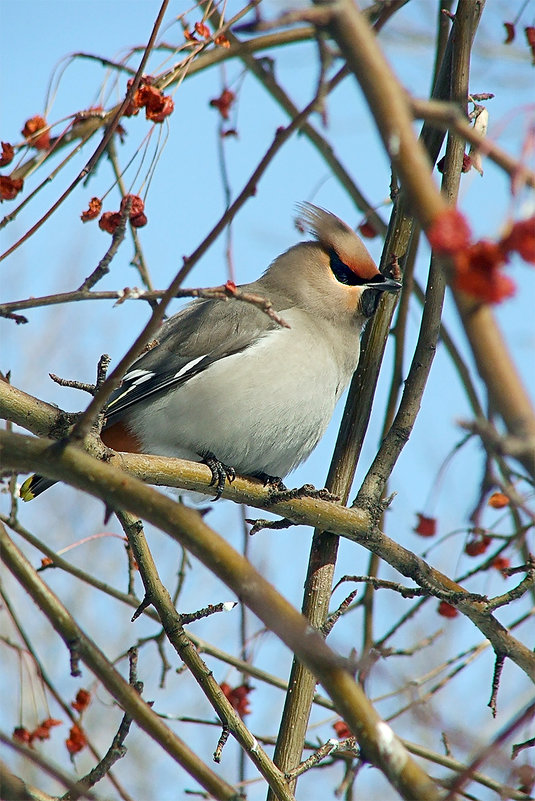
x: 391, y: 109
x: 62, y: 461
x: 53, y: 459
x: 128, y: 698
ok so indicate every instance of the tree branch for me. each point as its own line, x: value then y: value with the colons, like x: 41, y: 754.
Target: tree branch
x: 123, y: 693
x: 185, y: 525
x: 390, y: 107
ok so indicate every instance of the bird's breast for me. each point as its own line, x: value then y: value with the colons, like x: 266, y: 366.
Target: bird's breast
x: 261, y: 410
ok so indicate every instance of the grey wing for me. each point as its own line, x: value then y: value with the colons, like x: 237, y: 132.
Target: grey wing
x: 188, y: 343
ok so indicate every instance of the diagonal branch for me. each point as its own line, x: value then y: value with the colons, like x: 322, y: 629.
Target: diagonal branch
x: 377, y: 740
x: 116, y: 685
x: 390, y: 107
x: 157, y: 595
x: 354, y: 524
x: 72, y: 465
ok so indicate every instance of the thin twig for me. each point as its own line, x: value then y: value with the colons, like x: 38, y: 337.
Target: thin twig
x: 447, y: 116
x: 103, y: 267
x: 498, y: 669
x: 139, y: 259
x: 282, y: 135
x: 117, y: 749
x: 109, y: 132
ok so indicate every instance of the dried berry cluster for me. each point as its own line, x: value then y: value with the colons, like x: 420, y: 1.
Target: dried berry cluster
x: 478, y: 265
x: 76, y: 740
x: 157, y: 105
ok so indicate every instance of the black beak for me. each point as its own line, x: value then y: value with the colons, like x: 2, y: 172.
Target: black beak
x: 384, y: 284
x: 373, y: 293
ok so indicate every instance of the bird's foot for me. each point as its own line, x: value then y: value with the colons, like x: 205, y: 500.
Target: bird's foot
x: 273, y: 483
x: 306, y: 491
x: 221, y: 473
x: 320, y: 494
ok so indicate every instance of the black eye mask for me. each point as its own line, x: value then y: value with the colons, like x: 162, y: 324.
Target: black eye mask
x: 342, y: 272
x: 345, y: 274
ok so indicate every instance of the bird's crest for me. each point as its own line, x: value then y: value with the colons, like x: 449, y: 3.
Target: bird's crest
x: 335, y: 235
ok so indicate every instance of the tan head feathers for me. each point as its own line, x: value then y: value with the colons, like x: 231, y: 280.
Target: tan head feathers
x: 335, y: 235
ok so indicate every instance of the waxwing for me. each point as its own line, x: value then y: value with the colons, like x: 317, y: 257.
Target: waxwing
x: 228, y: 385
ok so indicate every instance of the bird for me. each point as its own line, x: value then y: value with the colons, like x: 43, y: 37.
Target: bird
x: 228, y: 385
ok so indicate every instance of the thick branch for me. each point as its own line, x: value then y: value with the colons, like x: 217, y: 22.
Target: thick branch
x: 123, y: 693
x: 390, y: 107
x: 354, y: 524
x: 185, y: 525
x: 72, y: 465
x: 157, y: 595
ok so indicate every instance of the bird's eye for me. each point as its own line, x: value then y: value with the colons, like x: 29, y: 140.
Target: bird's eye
x: 342, y: 272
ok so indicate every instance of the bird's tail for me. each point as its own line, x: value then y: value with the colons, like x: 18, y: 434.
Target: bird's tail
x: 34, y: 486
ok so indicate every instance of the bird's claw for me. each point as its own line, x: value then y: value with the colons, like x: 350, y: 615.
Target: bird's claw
x: 273, y: 483
x: 306, y: 491
x: 221, y: 473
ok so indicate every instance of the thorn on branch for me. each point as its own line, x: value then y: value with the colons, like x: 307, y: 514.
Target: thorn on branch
x: 67, y: 382
x: 480, y: 98
x: 74, y: 651
x: 20, y: 319
x: 211, y: 609
x: 332, y: 619
x: 498, y: 668
x: 511, y: 571
x: 518, y: 747
x: 260, y: 524
x: 145, y: 603
x: 102, y: 369
x: 221, y: 743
